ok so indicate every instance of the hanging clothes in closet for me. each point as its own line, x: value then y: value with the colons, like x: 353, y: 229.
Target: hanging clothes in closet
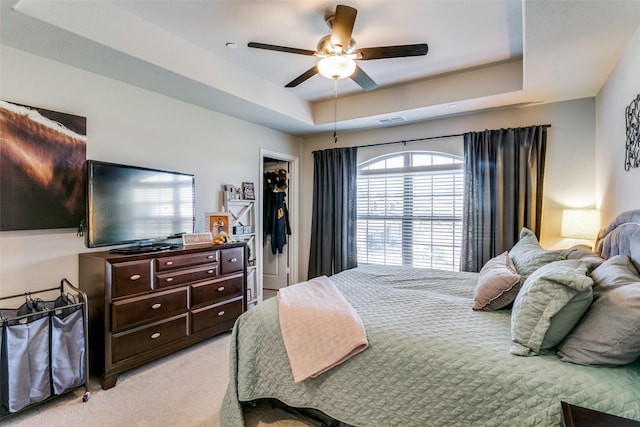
x: 275, y: 213
x: 269, y: 180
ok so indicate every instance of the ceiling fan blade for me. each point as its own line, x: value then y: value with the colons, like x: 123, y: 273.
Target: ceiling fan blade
x: 281, y: 48
x: 303, y: 77
x: 342, y: 26
x: 363, y: 79
x: 399, y: 51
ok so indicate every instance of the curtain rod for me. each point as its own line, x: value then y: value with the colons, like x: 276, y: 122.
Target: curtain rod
x: 405, y: 141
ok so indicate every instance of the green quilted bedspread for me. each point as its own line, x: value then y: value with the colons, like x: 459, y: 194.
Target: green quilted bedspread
x: 432, y: 361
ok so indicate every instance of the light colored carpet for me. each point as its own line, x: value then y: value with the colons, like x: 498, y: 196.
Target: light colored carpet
x: 184, y: 389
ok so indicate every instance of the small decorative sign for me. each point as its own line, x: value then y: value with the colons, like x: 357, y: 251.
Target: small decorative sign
x: 196, y: 238
x: 632, y: 152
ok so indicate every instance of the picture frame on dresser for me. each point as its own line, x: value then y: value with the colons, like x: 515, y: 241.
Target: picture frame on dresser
x: 217, y: 222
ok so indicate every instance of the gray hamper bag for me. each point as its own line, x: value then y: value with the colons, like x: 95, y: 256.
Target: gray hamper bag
x: 25, y: 361
x: 67, y: 349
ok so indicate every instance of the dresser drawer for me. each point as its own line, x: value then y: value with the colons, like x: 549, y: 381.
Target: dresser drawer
x: 213, y: 291
x: 178, y: 277
x: 148, y: 308
x: 180, y: 261
x: 147, y: 338
x: 129, y: 278
x: 231, y: 260
x: 208, y: 317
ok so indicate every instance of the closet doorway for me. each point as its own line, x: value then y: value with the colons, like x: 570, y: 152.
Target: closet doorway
x: 279, y: 214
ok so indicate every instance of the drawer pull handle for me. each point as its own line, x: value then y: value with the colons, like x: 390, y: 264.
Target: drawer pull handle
x: 221, y: 313
x: 156, y: 306
x: 221, y: 288
x: 210, y: 257
x: 135, y: 277
x: 233, y: 260
x: 169, y: 279
x: 169, y: 263
x: 155, y: 335
x: 210, y: 271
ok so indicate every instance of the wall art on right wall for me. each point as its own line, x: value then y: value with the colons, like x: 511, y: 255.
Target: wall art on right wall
x: 632, y: 152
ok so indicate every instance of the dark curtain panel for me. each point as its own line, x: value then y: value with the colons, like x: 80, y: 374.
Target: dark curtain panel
x: 504, y: 172
x: 333, y: 224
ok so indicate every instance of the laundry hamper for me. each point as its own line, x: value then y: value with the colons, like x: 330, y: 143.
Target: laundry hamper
x: 44, y: 346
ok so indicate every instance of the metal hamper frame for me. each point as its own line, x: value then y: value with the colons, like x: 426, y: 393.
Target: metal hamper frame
x: 48, y: 311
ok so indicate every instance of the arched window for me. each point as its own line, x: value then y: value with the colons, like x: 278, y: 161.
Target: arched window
x: 410, y: 210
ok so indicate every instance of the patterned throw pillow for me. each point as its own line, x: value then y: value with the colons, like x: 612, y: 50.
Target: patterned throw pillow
x: 498, y: 284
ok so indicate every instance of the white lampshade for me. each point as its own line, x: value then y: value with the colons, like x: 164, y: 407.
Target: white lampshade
x: 336, y: 67
x: 580, y: 223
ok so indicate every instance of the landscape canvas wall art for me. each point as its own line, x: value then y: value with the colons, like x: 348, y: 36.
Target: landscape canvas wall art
x: 42, y: 155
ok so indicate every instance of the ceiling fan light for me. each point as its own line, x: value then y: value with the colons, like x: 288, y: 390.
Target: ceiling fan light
x: 336, y: 67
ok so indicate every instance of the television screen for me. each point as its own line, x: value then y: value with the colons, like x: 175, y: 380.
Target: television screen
x: 127, y: 204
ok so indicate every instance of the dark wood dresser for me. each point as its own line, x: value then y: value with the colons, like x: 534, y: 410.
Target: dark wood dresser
x: 146, y: 306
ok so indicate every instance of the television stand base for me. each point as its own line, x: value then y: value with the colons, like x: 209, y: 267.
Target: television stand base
x: 141, y: 249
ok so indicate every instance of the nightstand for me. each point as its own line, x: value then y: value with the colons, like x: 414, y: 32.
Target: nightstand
x: 577, y: 416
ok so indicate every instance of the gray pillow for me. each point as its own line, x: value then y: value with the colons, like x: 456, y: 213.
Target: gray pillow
x: 527, y: 255
x: 609, y: 333
x: 584, y: 252
x: 550, y: 303
x: 498, y: 284
x: 615, y: 272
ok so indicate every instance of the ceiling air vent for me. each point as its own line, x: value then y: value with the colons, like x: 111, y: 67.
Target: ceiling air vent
x: 392, y: 120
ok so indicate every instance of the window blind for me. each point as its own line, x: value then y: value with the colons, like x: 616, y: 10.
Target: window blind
x: 411, y: 214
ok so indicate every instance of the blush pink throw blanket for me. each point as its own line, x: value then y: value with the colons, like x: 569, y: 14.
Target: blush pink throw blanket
x: 319, y: 327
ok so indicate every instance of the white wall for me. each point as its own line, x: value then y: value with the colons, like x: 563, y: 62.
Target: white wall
x: 130, y: 125
x: 617, y: 190
x: 125, y: 124
x: 569, y: 176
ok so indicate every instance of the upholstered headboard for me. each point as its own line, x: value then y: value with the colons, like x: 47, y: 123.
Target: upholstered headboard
x: 621, y: 237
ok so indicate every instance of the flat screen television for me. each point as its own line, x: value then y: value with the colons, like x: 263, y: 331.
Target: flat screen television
x: 131, y: 204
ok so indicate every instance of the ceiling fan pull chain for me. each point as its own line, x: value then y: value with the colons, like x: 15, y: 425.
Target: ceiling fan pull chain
x: 335, y: 111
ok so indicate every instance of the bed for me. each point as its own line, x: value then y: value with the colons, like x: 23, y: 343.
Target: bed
x: 432, y: 360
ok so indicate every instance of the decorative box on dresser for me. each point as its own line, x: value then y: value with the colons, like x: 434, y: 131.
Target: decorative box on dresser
x: 146, y: 306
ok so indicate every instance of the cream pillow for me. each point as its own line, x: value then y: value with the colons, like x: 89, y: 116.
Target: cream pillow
x: 498, y: 284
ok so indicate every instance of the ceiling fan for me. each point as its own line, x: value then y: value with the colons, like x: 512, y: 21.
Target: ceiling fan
x: 338, y: 52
